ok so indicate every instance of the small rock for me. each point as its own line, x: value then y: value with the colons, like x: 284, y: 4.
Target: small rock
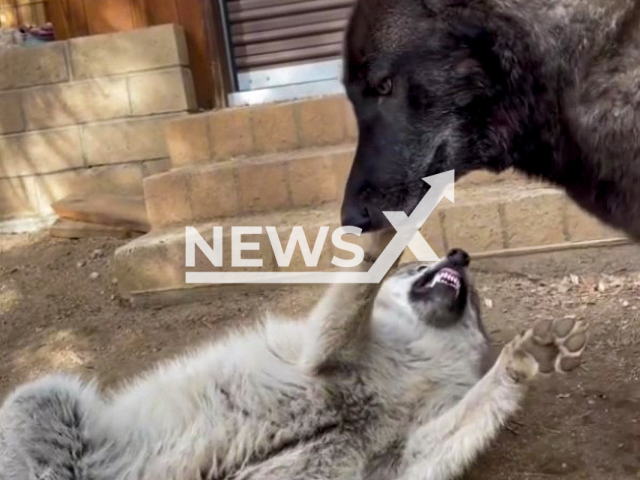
x: 625, y: 303
x: 97, y: 253
x: 81, y: 264
x: 488, y: 303
x: 94, y: 275
x: 114, y: 281
x: 574, y: 279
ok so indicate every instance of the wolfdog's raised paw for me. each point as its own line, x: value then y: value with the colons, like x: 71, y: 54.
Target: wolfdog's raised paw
x: 550, y: 346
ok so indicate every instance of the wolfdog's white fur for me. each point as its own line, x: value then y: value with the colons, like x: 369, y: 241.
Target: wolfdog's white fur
x: 344, y: 394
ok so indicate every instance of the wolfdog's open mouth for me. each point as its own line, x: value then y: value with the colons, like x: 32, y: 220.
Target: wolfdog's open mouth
x: 446, y: 277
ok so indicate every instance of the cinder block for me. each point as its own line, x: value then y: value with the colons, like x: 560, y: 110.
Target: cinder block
x: 126, y: 52
x: 151, y: 262
x: 433, y: 234
x: 18, y: 197
x: 26, y: 67
x: 482, y: 177
x: 312, y: 180
x: 11, y: 117
x: 213, y: 192
x: 263, y: 252
x: 125, y: 141
x: 162, y: 92
x: 475, y: 227
x: 342, y: 163
x: 274, y: 128
x: 188, y: 140
x: 116, y: 178
x: 77, y: 102
x: 40, y: 152
x: 154, y: 167
x: 167, y: 197
x: 298, y: 263
x: 125, y: 179
x: 231, y: 134
x: 158, y: 261
x: 263, y: 186
x: 582, y: 226
x: 535, y: 219
x: 322, y: 121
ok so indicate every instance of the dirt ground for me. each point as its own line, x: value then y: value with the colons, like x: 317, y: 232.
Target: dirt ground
x: 59, y: 309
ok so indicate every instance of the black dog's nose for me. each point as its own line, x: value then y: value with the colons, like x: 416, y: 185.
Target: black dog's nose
x: 459, y: 257
x: 356, y: 216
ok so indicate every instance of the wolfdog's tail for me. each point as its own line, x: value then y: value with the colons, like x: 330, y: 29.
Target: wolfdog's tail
x: 43, y: 428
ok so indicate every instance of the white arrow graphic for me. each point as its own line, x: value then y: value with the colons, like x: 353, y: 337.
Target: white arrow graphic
x: 407, y: 234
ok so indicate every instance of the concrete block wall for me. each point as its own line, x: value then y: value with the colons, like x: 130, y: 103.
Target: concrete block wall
x: 88, y: 115
x: 228, y: 134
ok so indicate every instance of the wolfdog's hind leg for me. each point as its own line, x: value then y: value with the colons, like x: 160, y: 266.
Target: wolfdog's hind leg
x: 42, y: 430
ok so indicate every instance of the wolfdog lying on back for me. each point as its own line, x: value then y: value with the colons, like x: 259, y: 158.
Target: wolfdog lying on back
x: 377, y: 384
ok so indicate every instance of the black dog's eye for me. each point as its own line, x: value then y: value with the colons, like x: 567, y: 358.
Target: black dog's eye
x: 385, y: 87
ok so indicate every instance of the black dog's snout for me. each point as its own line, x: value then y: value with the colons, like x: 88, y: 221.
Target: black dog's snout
x: 459, y: 257
x: 354, y: 215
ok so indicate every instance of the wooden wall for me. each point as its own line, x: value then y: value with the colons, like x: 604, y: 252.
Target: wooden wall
x: 73, y: 18
x: 14, y: 13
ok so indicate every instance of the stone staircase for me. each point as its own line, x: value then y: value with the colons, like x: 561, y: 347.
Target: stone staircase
x: 286, y: 164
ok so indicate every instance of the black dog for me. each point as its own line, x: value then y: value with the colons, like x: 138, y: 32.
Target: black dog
x: 549, y: 87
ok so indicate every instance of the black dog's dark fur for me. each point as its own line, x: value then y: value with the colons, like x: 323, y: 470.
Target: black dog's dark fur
x: 549, y: 87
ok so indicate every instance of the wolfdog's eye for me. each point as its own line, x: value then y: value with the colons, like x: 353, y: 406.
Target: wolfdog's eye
x: 385, y: 87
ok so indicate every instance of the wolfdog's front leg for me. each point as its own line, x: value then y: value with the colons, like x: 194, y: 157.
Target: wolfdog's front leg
x: 443, y: 448
x: 338, y: 323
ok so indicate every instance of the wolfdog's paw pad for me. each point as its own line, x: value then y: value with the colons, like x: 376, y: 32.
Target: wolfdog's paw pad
x: 547, y: 347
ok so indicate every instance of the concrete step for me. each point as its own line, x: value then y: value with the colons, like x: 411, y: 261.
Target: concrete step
x: 486, y: 218
x: 260, y: 130
x: 281, y: 181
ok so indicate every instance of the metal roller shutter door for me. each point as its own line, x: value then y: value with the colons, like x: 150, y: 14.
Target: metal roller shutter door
x: 271, y: 33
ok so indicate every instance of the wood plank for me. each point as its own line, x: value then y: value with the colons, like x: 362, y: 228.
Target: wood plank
x: 109, y: 16
x: 191, y: 15
x: 158, y: 12
x: 69, y: 18
x: 105, y: 209
x: 217, y: 54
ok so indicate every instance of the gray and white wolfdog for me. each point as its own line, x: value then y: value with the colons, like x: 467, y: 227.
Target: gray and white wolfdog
x: 378, y: 382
